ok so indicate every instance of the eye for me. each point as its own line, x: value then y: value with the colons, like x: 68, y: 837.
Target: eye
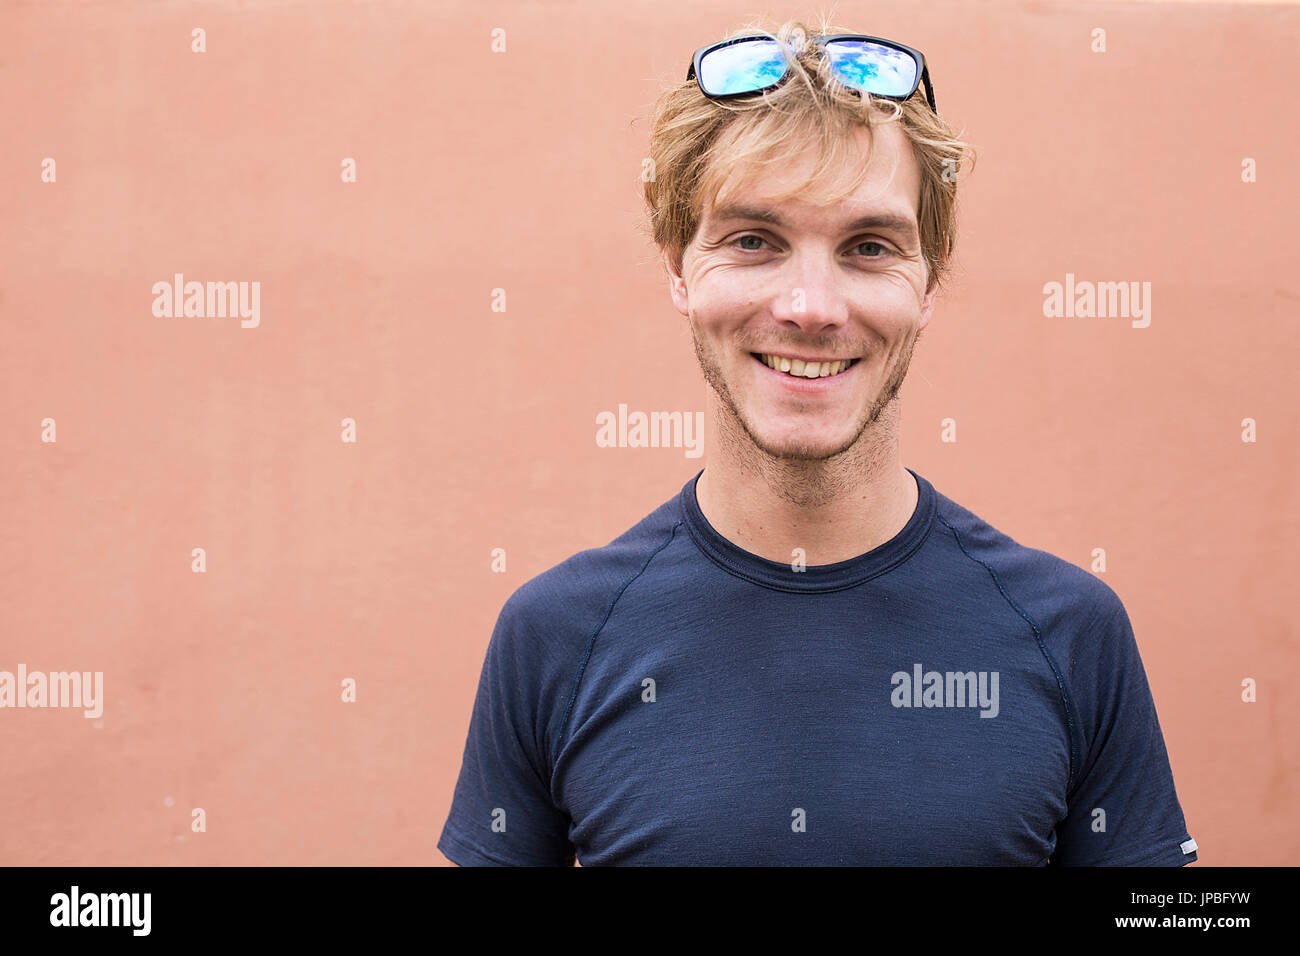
x: 884, y: 250
x: 758, y: 239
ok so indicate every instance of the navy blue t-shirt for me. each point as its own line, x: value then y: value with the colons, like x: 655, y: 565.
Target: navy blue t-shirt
x: 949, y: 698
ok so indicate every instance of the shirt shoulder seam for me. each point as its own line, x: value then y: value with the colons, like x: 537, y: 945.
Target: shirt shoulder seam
x: 1067, y: 704
x: 591, y: 641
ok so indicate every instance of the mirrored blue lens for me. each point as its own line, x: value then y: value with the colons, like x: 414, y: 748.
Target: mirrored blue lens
x: 872, y: 67
x: 742, y: 67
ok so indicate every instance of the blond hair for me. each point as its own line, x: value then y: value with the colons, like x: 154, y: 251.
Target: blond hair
x: 691, y: 159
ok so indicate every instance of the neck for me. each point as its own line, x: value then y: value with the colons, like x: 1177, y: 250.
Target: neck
x: 834, y: 509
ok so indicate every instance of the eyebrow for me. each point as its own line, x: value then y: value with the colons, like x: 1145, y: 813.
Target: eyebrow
x: 887, y: 221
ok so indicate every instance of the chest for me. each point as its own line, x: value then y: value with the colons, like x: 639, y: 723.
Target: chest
x: 844, y: 748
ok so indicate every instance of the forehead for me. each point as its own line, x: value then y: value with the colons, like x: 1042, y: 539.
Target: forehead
x: 890, y: 188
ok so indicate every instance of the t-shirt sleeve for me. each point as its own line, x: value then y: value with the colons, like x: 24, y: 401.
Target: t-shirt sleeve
x: 502, y: 813
x: 1123, y: 810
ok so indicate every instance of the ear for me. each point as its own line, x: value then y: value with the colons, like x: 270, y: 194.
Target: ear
x: 927, y: 306
x: 927, y: 301
x: 676, y: 285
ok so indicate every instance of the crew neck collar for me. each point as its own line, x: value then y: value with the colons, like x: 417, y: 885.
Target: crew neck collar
x: 816, y: 577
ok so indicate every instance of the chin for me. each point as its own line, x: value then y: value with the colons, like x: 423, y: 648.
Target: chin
x: 800, y: 445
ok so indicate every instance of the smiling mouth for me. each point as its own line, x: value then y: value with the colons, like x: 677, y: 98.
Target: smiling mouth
x: 797, y: 368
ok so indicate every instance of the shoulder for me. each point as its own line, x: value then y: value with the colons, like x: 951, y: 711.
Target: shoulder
x: 546, y: 626
x: 1063, y: 601
x: 565, y: 603
x: 1080, y: 624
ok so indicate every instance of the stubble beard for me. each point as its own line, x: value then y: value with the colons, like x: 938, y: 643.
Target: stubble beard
x: 801, y: 473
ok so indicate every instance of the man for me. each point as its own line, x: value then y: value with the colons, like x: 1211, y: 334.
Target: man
x: 810, y: 655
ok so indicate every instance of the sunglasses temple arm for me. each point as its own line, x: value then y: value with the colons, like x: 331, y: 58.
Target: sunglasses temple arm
x: 929, y: 90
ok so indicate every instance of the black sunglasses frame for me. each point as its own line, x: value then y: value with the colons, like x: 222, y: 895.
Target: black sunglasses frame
x: 923, y: 73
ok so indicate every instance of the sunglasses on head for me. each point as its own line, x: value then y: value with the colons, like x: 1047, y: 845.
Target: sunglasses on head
x: 750, y: 64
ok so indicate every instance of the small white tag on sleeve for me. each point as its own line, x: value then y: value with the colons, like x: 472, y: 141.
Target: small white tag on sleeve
x: 1189, y: 847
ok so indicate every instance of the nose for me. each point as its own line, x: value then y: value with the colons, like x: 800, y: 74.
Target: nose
x: 810, y: 295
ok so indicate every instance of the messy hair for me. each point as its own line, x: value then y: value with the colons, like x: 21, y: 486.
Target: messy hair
x: 691, y: 159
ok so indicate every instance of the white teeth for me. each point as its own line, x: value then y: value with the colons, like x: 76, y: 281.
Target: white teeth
x: 803, y: 369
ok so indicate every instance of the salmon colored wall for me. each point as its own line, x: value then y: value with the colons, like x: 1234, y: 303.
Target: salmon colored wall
x: 475, y: 428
